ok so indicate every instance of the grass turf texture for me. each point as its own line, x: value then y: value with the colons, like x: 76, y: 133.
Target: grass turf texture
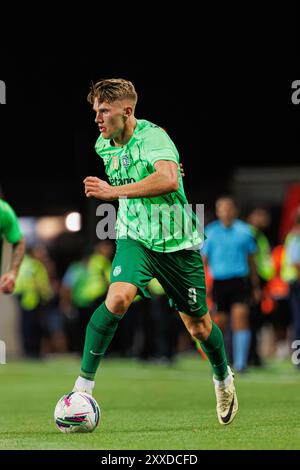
x: 148, y: 406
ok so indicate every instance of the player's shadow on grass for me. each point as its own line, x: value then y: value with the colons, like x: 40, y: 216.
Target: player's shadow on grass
x: 52, y: 432
x: 160, y: 430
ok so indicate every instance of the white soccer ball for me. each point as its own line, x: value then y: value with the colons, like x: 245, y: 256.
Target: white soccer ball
x: 77, y: 412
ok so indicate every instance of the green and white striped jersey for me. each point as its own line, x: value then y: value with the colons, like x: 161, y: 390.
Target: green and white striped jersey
x: 162, y: 223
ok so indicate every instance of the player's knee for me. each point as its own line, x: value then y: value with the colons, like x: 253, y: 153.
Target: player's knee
x: 119, y: 303
x: 200, y: 329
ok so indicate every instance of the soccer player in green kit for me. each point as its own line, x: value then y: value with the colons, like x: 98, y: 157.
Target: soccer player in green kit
x: 10, y: 231
x: 142, y: 164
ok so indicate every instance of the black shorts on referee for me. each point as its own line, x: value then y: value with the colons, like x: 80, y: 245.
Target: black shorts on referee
x: 227, y: 292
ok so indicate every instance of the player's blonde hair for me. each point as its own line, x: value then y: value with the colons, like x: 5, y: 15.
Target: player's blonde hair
x: 111, y: 90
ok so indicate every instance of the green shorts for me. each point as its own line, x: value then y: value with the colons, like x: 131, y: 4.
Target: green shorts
x: 181, y: 274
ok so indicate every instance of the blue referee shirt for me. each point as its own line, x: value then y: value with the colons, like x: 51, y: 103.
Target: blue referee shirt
x: 227, y: 249
x: 293, y: 249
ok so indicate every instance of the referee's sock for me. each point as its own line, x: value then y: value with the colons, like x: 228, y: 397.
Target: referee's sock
x: 241, y: 344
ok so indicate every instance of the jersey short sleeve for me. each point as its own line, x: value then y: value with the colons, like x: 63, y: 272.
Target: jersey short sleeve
x: 9, y: 225
x: 159, y: 146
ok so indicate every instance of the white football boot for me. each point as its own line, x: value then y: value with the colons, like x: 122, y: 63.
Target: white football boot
x: 84, y: 385
x: 227, y: 402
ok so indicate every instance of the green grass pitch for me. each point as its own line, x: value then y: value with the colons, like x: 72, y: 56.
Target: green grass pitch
x: 150, y: 407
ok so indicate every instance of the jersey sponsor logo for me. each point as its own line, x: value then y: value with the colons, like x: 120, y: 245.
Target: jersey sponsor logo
x: 125, y: 161
x: 120, y: 181
x: 117, y: 271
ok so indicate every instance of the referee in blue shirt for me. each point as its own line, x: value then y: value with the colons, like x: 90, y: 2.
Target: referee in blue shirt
x: 229, y: 250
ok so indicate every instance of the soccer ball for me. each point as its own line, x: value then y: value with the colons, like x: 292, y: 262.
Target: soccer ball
x: 77, y: 412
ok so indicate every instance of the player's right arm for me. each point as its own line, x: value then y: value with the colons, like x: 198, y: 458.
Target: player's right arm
x: 8, y: 279
x: 163, y: 181
x: 162, y: 155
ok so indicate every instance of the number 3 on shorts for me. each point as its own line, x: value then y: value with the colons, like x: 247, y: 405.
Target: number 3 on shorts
x: 192, y: 296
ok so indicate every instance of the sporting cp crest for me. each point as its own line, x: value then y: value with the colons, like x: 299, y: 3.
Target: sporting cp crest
x: 117, y: 271
x: 125, y: 161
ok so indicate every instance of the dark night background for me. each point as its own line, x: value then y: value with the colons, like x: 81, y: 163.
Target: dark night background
x: 224, y: 100
x: 220, y: 85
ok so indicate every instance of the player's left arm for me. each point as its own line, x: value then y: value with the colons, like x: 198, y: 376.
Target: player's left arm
x: 163, y: 181
x: 8, y: 279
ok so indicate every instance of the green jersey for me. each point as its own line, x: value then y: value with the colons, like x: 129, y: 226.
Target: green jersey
x: 163, y: 223
x: 9, y: 225
x: 9, y: 228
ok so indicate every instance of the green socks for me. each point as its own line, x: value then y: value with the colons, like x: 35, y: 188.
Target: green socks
x: 99, y: 333
x: 214, y: 349
x: 103, y: 325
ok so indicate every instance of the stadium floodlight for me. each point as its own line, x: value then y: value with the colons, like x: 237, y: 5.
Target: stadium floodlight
x: 73, y: 221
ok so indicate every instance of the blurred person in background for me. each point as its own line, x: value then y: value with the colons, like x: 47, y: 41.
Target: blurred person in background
x: 259, y: 221
x: 291, y: 272
x: 160, y: 327
x: 277, y: 290
x: 106, y: 249
x: 10, y: 233
x: 85, y: 284
x: 54, y: 339
x: 129, y: 340
x: 72, y: 298
x: 33, y: 290
x: 229, y: 250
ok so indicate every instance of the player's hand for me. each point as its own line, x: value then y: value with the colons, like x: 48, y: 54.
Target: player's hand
x: 7, y: 282
x: 182, y: 169
x: 94, y: 187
